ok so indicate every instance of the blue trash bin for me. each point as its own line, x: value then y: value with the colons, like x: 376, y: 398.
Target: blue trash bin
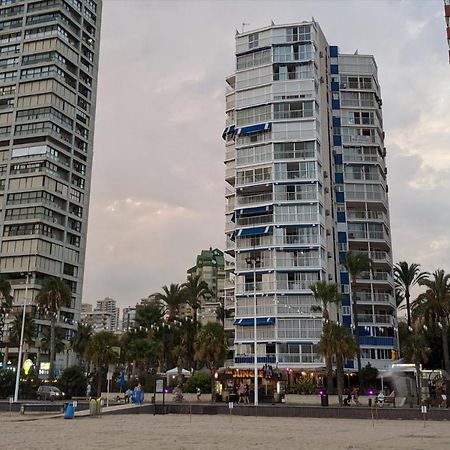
x: 70, y: 411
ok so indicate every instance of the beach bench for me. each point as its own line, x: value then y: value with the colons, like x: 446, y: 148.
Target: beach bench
x: 390, y: 399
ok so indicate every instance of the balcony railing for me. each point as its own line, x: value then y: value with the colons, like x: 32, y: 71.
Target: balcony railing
x: 296, y: 175
x: 376, y: 297
x: 252, y: 199
x: 293, y: 358
x: 369, y: 318
x: 254, y: 220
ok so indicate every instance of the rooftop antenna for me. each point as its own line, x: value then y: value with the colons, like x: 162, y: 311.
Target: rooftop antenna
x: 356, y: 52
x: 244, y: 25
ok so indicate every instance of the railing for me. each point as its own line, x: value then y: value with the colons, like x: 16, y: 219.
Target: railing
x: 296, y: 239
x: 251, y: 199
x: 292, y: 358
x: 308, y: 217
x: 241, y: 263
x: 243, y: 180
x: 302, y: 195
x: 249, y: 310
x: 265, y: 332
x: 295, y: 175
x: 366, y: 196
x: 299, y: 262
x: 369, y: 318
x: 376, y: 297
x: 254, y: 220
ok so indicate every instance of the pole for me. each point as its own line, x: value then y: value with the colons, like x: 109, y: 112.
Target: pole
x: 22, y: 331
x: 256, y: 337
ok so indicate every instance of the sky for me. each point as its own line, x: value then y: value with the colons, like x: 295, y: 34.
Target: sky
x: 157, y: 194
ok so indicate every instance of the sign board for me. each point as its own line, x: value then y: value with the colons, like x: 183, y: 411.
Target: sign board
x: 11, y: 399
x: 74, y: 403
x: 230, y: 405
x: 424, y: 409
x: 159, y: 386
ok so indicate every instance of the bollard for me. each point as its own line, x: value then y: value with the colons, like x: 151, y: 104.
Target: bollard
x: 92, y: 407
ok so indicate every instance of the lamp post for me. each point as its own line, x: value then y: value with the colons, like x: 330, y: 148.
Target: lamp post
x: 254, y: 261
x: 22, y: 331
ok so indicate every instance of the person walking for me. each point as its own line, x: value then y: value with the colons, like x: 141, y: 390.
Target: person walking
x: 241, y: 392
x: 198, y: 392
x: 246, y: 394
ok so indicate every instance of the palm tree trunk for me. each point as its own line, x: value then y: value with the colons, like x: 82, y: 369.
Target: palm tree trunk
x: 356, y: 324
x: 52, y: 349
x: 408, y: 307
x: 340, y: 377
x: 445, y: 345
x: 213, y: 386
x: 99, y: 381
x: 329, y: 368
x: 418, y: 383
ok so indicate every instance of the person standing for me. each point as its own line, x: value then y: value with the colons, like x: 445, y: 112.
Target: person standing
x: 241, y: 393
x: 198, y: 392
x: 246, y: 394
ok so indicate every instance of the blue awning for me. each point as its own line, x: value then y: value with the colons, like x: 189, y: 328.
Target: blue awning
x: 259, y: 321
x: 252, y: 231
x: 257, y: 209
x: 228, y: 130
x: 254, y: 128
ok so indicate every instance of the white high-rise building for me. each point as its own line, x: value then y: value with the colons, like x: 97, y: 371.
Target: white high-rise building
x: 109, y: 305
x: 299, y: 139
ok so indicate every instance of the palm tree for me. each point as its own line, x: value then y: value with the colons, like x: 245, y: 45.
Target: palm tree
x: 406, y: 276
x: 150, y: 314
x: 172, y: 298
x: 416, y: 351
x: 326, y: 294
x: 29, y: 330
x: 337, y: 341
x: 54, y: 294
x: 5, y: 304
x: 102, y: 351
x: 81, y: 338
x: 211, y: 348
x: 356, y: 263
x: 5, y: 293
x: 437, y: 302
x: 196, y: 291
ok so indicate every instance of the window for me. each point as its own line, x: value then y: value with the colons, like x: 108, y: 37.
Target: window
x: 293, y: 110
x: 253, y: 59
x: 301, y: 33
x: 253, y: 40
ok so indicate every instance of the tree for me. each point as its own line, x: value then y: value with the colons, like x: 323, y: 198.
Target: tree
x: 58, y: 339
x: 5, y: 293
x: 29, y: 330
x: 436, y: 301
x: 326, y: 294
x: 211, y: 348
x: 150, y: 314
x: 416, y: 351
x: 337, y: 341
x: 54, y: 294
x: 406, y: 276
x: 196, y: 291
x: 356, y: 263
x: 172, y: 298
x: 102, y: 351
x: 81, y: 338
x: 73, y: 381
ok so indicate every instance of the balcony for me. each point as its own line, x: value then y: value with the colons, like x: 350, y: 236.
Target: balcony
x: 254, y: 242
x: 243, y: 180
x: 377, y: 319
x: 376, y: 297
x: 298, y: 218
x: 254, y: 199
x: 241, y: 263
x: 299, y: 239
x: 254, y: 220
x: 299, y: 262
x: 296, y: 175
x: 299, y: 358
x: 267, y: 359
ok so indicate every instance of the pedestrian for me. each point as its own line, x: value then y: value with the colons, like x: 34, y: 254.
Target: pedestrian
x: 199, y: 393
x: 246, y: 395
x: 241, y: 392
x: 128, y: 395
x: 88, y: 390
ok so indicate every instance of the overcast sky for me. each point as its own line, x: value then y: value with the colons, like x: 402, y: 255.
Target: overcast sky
x: 157, y: 184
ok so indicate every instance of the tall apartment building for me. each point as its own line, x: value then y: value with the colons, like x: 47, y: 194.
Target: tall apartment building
x: 48, y: 81
x: 109, y: 305
x: 288, y: 221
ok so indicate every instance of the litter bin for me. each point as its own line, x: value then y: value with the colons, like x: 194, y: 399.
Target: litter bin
x: 324, y: 399
x: 70, y: 411
x: 92, y: 407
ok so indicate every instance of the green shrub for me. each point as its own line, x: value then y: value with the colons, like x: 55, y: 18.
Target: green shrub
x: 201, y: 380
x: 303, y: 386
x: 7, y: 382
x: 73, y: 382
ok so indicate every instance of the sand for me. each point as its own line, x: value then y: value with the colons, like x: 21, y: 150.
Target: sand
x: 176, y: 432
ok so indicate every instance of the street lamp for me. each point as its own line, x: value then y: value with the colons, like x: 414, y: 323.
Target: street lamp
x: 22, y: 331
x: 254, y: 261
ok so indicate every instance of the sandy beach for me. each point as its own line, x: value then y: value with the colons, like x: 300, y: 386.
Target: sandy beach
x: 201, y: 432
